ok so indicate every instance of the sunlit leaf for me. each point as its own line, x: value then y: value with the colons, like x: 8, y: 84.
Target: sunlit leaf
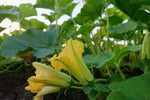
x: 26, y: 10
x: 32, y: 23
x: 8, y: 12
x: 45, y: 4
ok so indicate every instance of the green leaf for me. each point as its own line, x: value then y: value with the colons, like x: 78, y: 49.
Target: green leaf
x: 98, y: 60
x: 85, y: 29
x: 26, y: 10
x: 90, y: 11
x: 67, y: 25
x: 58, y: 6
x: 126, y: 7
x: 121, y: 53
x: 140, y: 2
x: 42, y: 43
x: 140, y: 15
x: 8, y: 12
x: 126, y: 27
x: 52, y: 17
x: 68, y: 9
x: 134, y: 48
x: 136, y: 88
x: 114, y: 20
x: 1, y: 29
x: 45, y: 4
x: 133, y: 10
x: 95, y: 91
x: 32, y: 23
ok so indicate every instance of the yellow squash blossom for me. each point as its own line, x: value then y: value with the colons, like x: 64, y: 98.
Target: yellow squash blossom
x: 47, y: 80
x: 46, y: 90
x: 71, y: 60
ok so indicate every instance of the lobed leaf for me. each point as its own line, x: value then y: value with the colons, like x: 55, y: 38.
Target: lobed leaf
x: 39, y: 42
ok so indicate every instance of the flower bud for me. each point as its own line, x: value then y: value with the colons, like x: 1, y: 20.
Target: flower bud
x: 146, y: 47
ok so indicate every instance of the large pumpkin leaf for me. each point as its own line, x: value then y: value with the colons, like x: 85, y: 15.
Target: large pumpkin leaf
x: 136, y: 88
x: 39, y: 42
x: 98, y: 60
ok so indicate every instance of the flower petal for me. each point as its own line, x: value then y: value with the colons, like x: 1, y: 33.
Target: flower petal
x: 71, y: 60
x: 38, y: 98
x: 48, y: 89
x: 50, y: 82
x: 46, y: 72
x: 34, y: 87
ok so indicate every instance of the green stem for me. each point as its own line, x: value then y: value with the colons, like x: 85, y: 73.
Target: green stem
x: 74, y: 22
x: 76, y: 87
x: 101, y: 80
x: 108, y: 71
x: 120, y: 72
x: 107, y: 15
x: 56, y: 11
x: 145, y: 69
x: 76, y: 83
x: 90, y: 45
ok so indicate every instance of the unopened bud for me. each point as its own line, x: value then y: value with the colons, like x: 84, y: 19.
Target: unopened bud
x: 146, y: 46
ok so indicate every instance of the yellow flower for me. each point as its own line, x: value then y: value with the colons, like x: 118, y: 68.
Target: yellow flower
x: 47, y: 80
x: 71, y: 60
x: 46, y: 90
